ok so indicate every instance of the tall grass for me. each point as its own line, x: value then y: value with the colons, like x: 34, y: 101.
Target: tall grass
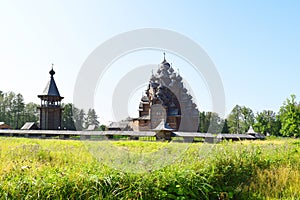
x: 60, y: 169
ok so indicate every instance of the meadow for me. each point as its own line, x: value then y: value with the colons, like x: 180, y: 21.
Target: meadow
x: 70, y: 169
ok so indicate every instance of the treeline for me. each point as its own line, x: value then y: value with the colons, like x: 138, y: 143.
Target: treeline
x: 15, y: 113
x: 284, y: 123
x: 77, y: 119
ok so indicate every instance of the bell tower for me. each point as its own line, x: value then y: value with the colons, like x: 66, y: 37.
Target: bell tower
x: 50, y: 108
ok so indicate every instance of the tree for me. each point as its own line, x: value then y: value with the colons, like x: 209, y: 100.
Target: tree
x: 8, y: 108
x: 210, y: 122
x: 79, y: 117
x: 289, y: 115
x: 225, y: 128
x: 215, y: 123
x: 14, y: 111
x: 240, y: 119
x: 247, y: 118
x: 31, y: 113
x: 203, y: 122
x: 234, y: 120
x: 102, y: 127
x: 18, y: 106
x: 2, y: 107
x: 67, y: 117
x: 267, y: 122
x: 92, y: 118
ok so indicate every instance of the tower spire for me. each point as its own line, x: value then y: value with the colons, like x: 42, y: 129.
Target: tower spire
x: 52, y: 72
x: 164, y: 56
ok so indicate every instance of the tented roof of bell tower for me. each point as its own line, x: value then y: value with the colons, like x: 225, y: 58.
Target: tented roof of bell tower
x: 51, y: 89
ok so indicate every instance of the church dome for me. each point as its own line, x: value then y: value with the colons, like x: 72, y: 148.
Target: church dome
x: 145, y: 99
x: 52, y: 72
x: 173, y: 76
x: 179, y: 78
x: 161, y: 75
x: 159, y: 70
x: 153, y: 78
x: 165, y: 65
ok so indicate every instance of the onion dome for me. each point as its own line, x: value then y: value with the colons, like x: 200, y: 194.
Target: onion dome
x: 194, y: 105
x: 173, y: 76
x: 154, y: 85
x: 52, y: 72
x: 159, y: 70
x: 179, y: 78
x: 180, y: 85
x: 152, y: 78
x: 145, y: 99
x: 160, y: 75
x: 164, y: 64
x: 172, y: 83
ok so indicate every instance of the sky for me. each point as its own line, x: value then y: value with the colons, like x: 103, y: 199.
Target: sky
x: 254, y: 46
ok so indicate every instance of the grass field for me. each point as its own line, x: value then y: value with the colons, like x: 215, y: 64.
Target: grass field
x: 66, y: 169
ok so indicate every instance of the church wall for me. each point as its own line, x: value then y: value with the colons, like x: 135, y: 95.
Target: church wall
x: 173, y: 122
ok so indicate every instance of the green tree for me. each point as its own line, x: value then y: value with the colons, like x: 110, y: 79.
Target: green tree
x: 67, y: 117
x: 31, y: 113
x: 102, y: 127
x: 290, y: 117
x: 215, y: 123
x: 225, y: 128
x: 12, y: 109
x: 15, y: 112
x: 234, y: 120
x: 92, y: 118
x: 203, y: 122
x: 267, y: 122
x: 210, y: 122
x: 247, y: 118
x: 8, y: 105
x: 240, y: 119
x: 18, y: 106
x: 79, y: 118
x: 2, y: 107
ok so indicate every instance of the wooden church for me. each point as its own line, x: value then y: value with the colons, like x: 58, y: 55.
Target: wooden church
x: 167, y: 99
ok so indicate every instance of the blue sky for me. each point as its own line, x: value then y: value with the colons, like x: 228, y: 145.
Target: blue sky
x: 254, y: 45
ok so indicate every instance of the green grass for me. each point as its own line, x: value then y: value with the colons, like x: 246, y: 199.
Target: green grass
x: 68, y: 169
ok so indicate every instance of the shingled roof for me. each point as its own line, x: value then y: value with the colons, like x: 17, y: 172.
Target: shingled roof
x: 30, y: 126
x: 51, y: 88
